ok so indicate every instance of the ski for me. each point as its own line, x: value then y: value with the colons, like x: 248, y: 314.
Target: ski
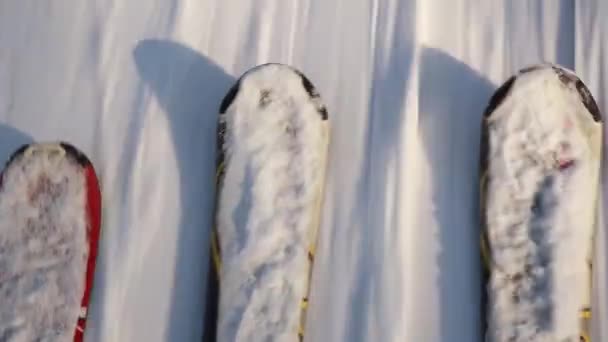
x: 539, y: 177
x: 272, y: 146
x: 50, y: 206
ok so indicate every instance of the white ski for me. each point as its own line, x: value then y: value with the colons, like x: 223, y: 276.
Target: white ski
x: 541, y: 162
x: 273, y: 140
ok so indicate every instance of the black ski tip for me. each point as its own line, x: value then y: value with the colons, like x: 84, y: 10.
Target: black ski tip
x: 531, y: 68
x: 565, y: 76
x: 70, y: 150
x: 16, y: 154
x: 11, y: 159
x: 306, y: 83
x: 503, y: 91
x: 588, y: 101
x: 568, y: 78
x: 312, y: 92
x: 227, y: 100
x: 75, y: 154
x: 499, y: 96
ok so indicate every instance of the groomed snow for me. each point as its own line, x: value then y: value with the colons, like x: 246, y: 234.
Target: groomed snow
x: 136, y: 85
x: 544, y: 158
x: 43, y: 247
x: 274, y: 167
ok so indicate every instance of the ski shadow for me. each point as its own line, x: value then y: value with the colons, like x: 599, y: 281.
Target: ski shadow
x: 189, y: 87
x: 10, y: 140
x: 379, y: 268
x: 452, y: 99
x: 533, y: 17
x: 566, y: 47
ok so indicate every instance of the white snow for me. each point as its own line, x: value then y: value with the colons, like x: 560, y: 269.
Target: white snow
x: 276, y: 145
x: 136, y: 85
x: 543, y: 179
x: 43, y: 247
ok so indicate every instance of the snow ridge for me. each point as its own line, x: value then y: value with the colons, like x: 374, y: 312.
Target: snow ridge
x: 543, y: 176
x: 275, y: 150
x: 43, y: 249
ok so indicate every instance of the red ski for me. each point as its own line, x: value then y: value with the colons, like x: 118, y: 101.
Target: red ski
x: 50, y: 215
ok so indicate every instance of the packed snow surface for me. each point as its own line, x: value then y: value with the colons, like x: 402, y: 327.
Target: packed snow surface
x: 43, y: 247
x: 136, y: 85
x: 544, y: 158
x: 275, y: 150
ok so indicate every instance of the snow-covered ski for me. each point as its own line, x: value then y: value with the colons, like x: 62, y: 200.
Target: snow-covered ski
x: 49, y: 229
x: 540, y: 164
x: 272, y: 149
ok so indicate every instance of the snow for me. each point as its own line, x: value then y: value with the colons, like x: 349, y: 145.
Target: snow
x: 543, y: 154
x: 275, y: 145
x: 136, y: 85
x: 43, y: 247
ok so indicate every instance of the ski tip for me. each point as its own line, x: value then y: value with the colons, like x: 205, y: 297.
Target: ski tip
x: 61, y: 147
x: 75, y: 154
x: 306, y: 83
x: 16, y: 154
x: 565, y: 75
x: 568, y: 77
x: 498, y: 97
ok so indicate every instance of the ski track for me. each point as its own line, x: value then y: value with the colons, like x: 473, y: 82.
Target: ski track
x: 136, y: 85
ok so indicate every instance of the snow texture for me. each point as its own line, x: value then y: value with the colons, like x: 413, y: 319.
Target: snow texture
x: 275, y: 149
x: 544, y: 159
x: 43, y: 247
x: 136, y: 85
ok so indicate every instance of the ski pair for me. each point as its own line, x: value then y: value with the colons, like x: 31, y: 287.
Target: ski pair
x: 50, y: 212
x: 539, y: 166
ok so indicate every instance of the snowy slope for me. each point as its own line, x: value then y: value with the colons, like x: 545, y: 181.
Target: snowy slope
x: 137, y: 85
